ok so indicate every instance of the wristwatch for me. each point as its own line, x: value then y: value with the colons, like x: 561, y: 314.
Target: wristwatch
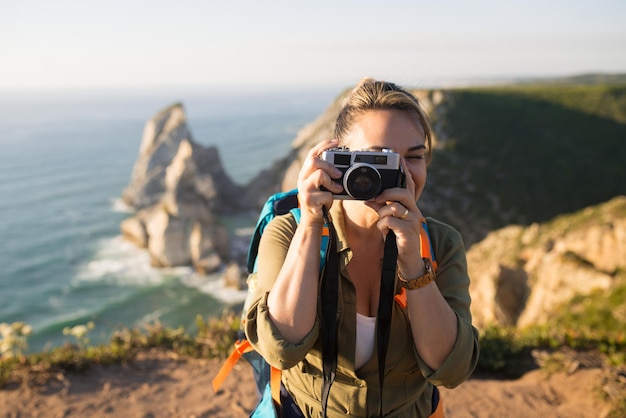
x: 420, y: 281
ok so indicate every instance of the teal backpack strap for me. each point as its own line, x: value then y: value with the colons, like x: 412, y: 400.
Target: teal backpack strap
x: 296, y: 212
x: 277, y: 204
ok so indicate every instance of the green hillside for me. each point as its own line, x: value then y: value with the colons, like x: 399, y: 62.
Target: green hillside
x: 583, y: 79
x: 523, y: 154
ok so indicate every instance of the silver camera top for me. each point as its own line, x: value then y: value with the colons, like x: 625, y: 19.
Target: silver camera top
x: 344, y: 157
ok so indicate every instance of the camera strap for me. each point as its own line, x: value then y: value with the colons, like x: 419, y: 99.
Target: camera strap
x: 385, y: 304
x: 329, y: 300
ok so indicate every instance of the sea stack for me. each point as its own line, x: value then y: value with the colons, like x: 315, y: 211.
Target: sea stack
x: 178, y: 187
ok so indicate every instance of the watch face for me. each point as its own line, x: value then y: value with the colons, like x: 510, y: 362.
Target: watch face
x: 421, y: 281
x: 428, y: 265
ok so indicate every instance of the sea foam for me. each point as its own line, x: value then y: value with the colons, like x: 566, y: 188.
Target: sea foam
x: 120, y: 262
x: 118, y: 206
x: 214, y: 285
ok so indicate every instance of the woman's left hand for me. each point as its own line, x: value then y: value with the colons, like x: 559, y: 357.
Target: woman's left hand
x: 397, y: 210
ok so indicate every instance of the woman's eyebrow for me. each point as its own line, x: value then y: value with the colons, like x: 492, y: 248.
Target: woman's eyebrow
x: 379, y: 148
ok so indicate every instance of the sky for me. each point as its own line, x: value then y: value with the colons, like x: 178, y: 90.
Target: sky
x: 72, y: 44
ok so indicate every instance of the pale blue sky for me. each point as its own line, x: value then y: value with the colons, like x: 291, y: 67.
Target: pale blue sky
x: 125, y: 43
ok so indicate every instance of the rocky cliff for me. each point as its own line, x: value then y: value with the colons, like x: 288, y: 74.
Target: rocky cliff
x: 520, y: 275
x: 179, y: 188
x: 171, y: 166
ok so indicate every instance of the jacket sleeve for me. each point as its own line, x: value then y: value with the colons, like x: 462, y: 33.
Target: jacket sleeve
x: 453, y: 283
x: 259, y: 328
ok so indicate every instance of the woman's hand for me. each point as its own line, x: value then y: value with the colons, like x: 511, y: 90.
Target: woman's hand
x: 433, y: 322
x: 315, y: 174
x: 292, y: 300
x: 397, y: 210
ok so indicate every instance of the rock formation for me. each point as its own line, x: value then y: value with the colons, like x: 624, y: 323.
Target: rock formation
x: 522, y: 274
x: 173, y: 167
x: 179, y: 187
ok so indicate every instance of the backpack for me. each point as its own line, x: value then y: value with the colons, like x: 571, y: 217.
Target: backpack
x: 267, y: 377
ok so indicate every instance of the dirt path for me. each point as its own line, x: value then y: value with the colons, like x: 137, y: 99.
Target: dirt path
x: 158, y: 385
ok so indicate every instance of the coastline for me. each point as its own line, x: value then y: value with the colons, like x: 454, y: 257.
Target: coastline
x: 64, y: 163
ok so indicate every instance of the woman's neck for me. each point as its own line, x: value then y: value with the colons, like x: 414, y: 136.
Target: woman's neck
x: 360, y: 222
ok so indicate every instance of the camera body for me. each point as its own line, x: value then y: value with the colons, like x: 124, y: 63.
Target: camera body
x: 366, y: 174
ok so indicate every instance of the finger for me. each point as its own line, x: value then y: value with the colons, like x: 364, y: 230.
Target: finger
x: 314, y: 162
x: 395, y: 210
x: 319, y: 175
x: 319, y: 180
x: 405, y: 196
x: 318, y: 149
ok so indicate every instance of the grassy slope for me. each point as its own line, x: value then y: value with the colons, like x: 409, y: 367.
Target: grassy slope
x: 525, y: 154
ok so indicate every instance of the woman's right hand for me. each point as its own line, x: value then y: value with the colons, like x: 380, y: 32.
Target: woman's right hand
x: 292, y: 300
x: 315, y: 174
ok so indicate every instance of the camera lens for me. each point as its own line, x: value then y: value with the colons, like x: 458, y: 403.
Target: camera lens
x: 362, y: 182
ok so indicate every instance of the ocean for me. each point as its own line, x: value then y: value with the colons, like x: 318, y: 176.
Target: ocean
x: 65, y: 158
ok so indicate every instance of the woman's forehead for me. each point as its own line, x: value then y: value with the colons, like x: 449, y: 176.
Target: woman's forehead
x: 385, y: 129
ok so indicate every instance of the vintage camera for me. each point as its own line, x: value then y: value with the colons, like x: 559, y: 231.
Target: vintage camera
x: 366, y: 174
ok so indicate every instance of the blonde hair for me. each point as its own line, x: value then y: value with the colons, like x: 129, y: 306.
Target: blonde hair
x: 372, y: 94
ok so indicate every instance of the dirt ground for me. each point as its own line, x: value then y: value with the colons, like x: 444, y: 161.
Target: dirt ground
x: 161, y: 385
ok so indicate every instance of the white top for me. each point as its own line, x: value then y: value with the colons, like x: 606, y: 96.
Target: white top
x: 365, y: 326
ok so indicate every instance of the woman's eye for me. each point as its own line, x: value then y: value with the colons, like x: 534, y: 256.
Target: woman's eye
x: 414, y: 157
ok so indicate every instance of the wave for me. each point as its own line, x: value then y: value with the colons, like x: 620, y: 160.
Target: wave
x: 118, y: 206
x: 120, y: 262
x: 214, y: 285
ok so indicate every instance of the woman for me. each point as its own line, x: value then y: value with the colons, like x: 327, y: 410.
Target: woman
x: 432, y: 341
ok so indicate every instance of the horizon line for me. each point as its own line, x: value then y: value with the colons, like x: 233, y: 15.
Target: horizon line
x: 430, y: 84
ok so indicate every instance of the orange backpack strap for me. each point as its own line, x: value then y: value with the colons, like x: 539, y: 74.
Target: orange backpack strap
x: 242, y: 346
x: 275, y: 384
x: 401, y: 298
x: 426, y: 249
x: 426, y: 245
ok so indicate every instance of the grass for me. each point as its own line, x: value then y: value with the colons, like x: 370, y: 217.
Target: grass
x: 214, y: 338
x: 524, y: 154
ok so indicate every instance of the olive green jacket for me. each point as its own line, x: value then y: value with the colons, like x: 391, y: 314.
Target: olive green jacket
x: 356, y: 393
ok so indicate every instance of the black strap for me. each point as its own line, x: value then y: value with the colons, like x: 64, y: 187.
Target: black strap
x: 385, y: 302
x: 329, y: 300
